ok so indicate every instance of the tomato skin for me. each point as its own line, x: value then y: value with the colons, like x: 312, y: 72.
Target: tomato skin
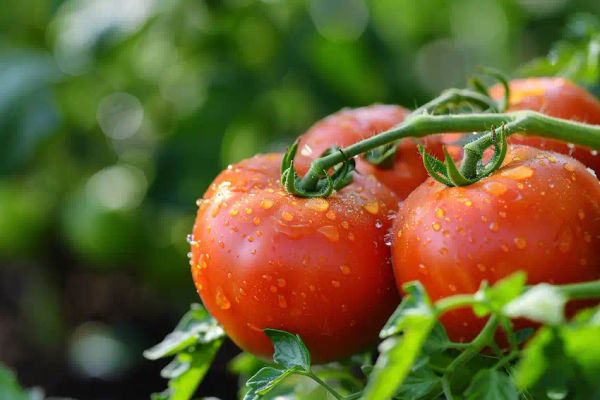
x: 349, y: 126
x: 539, y: 213
x: 262, y: 258
x: 556, y: 97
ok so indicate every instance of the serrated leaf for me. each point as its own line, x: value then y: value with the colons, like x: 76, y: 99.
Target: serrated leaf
x: 419, y: 385
x: 398, y: 354
x: 265, y: 380
x: 196, y: 326
x: 416, y: 302
x: 290, y: 350
x: 490, y: 384
x: 186, y: 379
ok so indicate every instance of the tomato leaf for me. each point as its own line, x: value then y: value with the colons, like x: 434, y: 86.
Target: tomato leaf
x: 494, y: 298
x: 290, y: 351
x: 542, y: 303
x: 196, y: 326
x: 415, y: 302
x: 419, y: 385
x: 9, y: 387
x: 490, y: 384
x: 265, y: 380
x: 187, y: 370
x: 398, y: 354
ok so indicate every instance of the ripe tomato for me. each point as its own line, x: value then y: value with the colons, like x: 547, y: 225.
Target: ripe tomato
x: 559, y: 98
x: 539, y: 213
x: 349, y: 126
x: 320, y: 268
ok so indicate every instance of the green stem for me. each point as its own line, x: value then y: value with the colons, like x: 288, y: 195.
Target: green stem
x: 485, y: 337
x: 324, y: 384
x: 526, y: 122
x: 584, y: 290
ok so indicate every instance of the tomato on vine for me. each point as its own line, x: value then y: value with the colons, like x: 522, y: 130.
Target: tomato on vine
x: 556, y: 97
x: 405, y: 171
x: 320, y: 268
x: 540, y: 213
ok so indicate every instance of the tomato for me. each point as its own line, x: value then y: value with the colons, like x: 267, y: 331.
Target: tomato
x: 558, y: 98
x: 539, y: 213
x: 349, y: 126
x: 320, y: 268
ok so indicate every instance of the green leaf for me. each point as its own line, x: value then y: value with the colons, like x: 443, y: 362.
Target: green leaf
x: 437, y: 341
x: 416, y: 301
x: 265, y: 380
x: 9, y: 387
x: 398, y: 354
x: 494, y: 298
x: 490, y: 384
x: 290, y: 351
x: 187, y: 371
x: 419, y: 385
x: 196, y: 326
x: 542, y: 303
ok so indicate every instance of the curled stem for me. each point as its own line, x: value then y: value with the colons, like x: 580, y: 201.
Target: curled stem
x: 525, y: 122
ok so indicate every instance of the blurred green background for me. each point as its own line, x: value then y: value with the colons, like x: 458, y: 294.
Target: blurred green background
x: 115, y: 115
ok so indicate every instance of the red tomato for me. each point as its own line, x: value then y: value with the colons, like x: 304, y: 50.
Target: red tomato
x: 320, y: 268
x: 349, y: 126
x: 559, y: 98
x: 539, y: 213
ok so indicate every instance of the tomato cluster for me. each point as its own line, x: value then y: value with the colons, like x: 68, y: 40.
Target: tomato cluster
x: 329, y: 269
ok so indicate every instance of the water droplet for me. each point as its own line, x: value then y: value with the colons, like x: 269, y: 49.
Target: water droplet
x: 345, y: 269
x: 306, y: 150
x: 443, y: 251
x: 436, y: 226
x: 330, y: 214
x: 481, y: 267
x: 190, y: 239
x: 234, y: 212
x: 345, y: 224
x: 250, y: 239
x: 388, y: 238
x: 248, y: 211
x: 452, y: 288
x: 281, y: 301
x: 266, y: 203
x: 317, y: 204
x: 287, y: 216
x: 495, y: 188
x: 189, y: 255
x: 439, y: 213
x: 505, y: 248
x: 494, y: 227
x: 273, y: 289
x: 520, y: 242
x: 351, y: 236
x: 594, y: 152
x: 281, y: 282
x: 581, y: 214
x: 468, y: 203
x: 256, y: 221
x: 330, y: 232
x: 518, y: 173
x: 372, y: 207
x: 569, y: 167
x: 222, y: 300
x: 336, y: 284
x: 378, y: 224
